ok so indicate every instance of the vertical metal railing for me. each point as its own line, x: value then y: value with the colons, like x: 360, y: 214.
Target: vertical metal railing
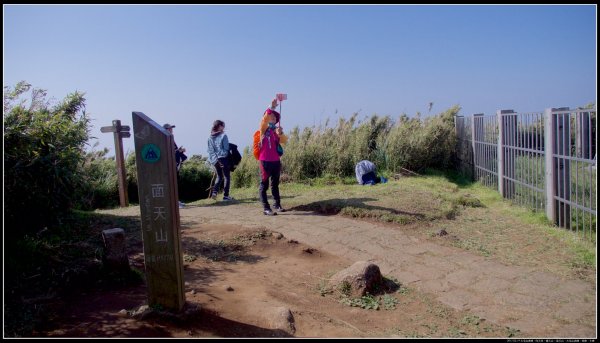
x: 485, y: 146
x: 574, y: 179
x: 464, y: 146
x: 524, y: 159
x: 545, y: 161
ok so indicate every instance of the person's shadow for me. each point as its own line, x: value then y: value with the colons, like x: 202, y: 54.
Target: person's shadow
x: 357, y: 207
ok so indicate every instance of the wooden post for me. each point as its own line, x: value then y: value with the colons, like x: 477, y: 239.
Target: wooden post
x: 119, y: 132
x: 157, y: 188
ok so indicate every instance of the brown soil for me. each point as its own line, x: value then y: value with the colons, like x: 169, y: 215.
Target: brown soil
x: 237, y: 284
x: 237, y: 276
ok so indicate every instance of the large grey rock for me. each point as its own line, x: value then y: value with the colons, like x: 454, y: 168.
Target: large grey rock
x: 280, y: 318
x: 357, y: 280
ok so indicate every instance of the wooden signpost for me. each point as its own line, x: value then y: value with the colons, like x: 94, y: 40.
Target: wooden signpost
x: 120, y: 132
x: 157, y: 188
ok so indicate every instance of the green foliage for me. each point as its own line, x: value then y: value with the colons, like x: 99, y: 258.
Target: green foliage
x: 100, y: 188
x: 467, y: 200
x: 247, y: 173
x: 316, y: 152
x: 417, y: 144
x: 368, y: 302
x: 333, y: 152
x: 131, y: 176
x: 389, y: 302
x: 43, y: 150
x: 194, y: 179
x: 345, y: 288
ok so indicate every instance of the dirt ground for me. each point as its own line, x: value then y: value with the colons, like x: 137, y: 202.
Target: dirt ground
x: 239, y: 278
x: 240, y: 272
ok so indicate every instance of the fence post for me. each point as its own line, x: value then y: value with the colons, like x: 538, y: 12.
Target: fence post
x: 562, y: 171
x: 464, y: 158
x: 583, y: 134
x: 476, y: 136
x: 506, y: 161
x: 550, y: 177
x: 500, y: 154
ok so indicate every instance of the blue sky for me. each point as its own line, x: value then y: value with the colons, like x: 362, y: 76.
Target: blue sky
x: 191, y: 64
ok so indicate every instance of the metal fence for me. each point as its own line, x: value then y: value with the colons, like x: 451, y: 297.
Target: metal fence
x: 545, y: 161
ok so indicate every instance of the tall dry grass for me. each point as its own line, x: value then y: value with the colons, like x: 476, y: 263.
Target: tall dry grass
x: 333, y: 151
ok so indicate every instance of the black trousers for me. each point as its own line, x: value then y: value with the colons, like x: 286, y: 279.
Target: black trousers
x: 269, y: 170
x: 223, y: 175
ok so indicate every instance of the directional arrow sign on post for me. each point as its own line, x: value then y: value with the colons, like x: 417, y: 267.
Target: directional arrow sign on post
x: 120, y: 132
x: 106, y: 129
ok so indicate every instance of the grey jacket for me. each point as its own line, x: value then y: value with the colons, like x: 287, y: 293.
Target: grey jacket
x: 363, y: 167
x: 218, y: 147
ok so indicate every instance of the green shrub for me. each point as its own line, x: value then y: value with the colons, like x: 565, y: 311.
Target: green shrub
x: 195, y: 178
x: 247, y: 173
x: 100, y: 189
x: 131, y: 176
x: 193, y: 181
x: 43, y: 152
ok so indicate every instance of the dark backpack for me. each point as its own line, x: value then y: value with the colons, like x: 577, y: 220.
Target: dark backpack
x: 233, y: 156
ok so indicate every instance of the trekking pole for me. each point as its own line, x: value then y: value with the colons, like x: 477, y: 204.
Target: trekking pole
x: 209, y: 189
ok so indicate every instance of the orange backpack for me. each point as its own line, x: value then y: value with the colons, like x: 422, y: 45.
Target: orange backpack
x: 256, y: 144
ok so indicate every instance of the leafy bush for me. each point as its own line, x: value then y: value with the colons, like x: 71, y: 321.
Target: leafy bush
x: 247, y: 173
x: 195, y: 178
x: 131, y: 176
x: 101, y: 186
x: 43, y: 150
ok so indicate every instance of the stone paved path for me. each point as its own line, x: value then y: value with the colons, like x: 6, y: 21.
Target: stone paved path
x: 537, y: 303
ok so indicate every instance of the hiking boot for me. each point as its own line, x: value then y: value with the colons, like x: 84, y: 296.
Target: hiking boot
x: 213, y: 196
x: 228, y: 198
x: 278, y: 208
x: 269, y: 212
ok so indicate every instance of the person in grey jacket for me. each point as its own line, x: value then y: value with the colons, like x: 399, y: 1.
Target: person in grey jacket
x: 366, y: 173
x: 218, y: 150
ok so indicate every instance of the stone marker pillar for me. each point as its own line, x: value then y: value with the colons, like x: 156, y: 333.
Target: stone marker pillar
x: 157, y: 188
x: 115, y: 254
